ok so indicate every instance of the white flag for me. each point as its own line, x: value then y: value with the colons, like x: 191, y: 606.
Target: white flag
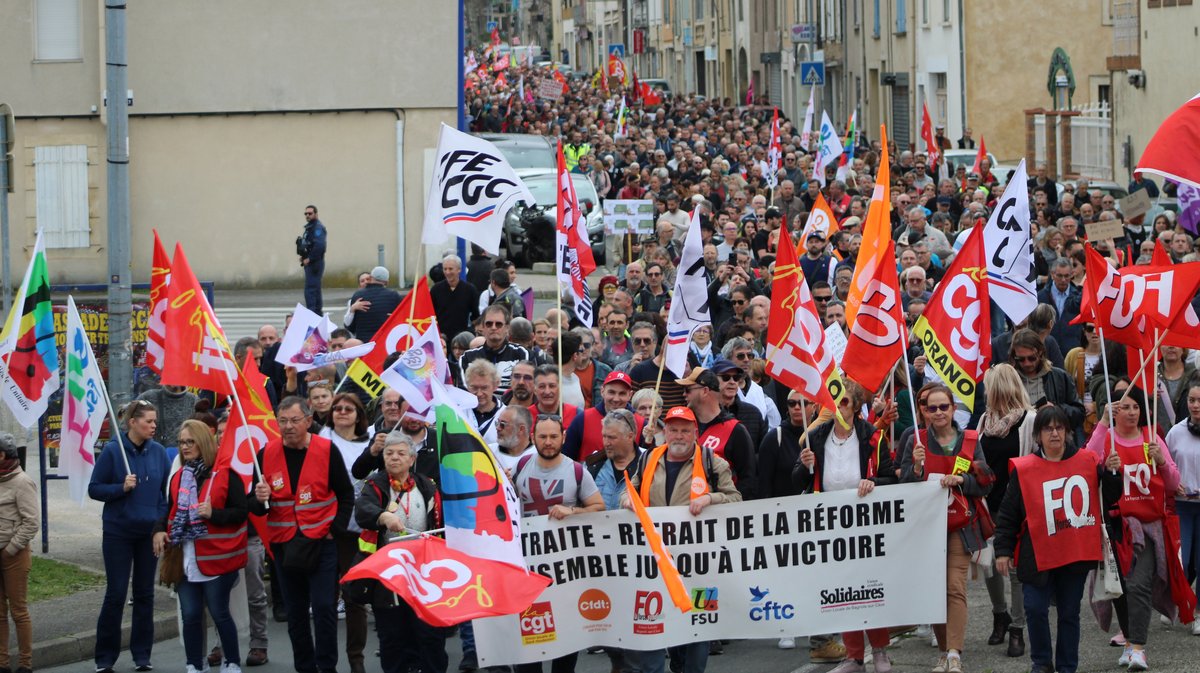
x: 306, y: 340
x: 83, y: 410
x: 808, y: 118
x: 689, y: 303
x: 473, y: 188
x: 829, y: 147
x: 1009, y: 249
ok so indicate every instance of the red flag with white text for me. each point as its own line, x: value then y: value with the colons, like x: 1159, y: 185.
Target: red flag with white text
x: 877, y: 337
x: 197, y: 353
x: 574, y: 250
x: 156, y: 329
x: 931, y: 147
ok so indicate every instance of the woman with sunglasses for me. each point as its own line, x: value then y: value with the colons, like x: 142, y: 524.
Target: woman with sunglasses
x: 207, y: 517
x: 1045, y: 383
x: 837, y: 458
x: 930, y: 453
x: 1005, y: 433
x: 1052, y: 559
x: 350, y: 435
x: 133, y: 490
x: 1140, y: 540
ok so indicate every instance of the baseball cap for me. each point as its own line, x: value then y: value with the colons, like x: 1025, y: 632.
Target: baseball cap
x: 945, y: 200
x: 816, y: 234
x: 380, y: 274
x: 619, y: 377
x: 773, y: 212
x: 701, y: 376
x: 722, y: 365
x: 680, y: 414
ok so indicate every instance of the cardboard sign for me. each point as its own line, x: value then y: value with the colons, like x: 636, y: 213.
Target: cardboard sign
x: 632, y: 216
x: 1102, y: 231
x: 1137, y: 203
x: 550, y: 89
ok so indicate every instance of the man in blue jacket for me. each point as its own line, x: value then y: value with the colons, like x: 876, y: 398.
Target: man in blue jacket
x: 310, y: 246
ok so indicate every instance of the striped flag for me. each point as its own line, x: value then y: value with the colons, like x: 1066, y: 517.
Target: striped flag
x: 27, y: 345
x: 689, y: 302
x: 156, y: 329
x: 84, y: 408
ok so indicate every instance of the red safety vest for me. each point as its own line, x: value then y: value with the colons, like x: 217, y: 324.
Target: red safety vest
x: 716, y: 436
x: 593, y: 433
x: 312, y: 508
x: 958, y: 463
x: 1143, y: 496
x: 568, y: 415
x: 1062, y: 508
x: 223, y: 549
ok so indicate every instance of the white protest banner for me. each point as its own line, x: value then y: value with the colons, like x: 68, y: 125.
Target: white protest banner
x: 550, y: 89
x: 801, y: 565
x: 836, y: 341
x: 306, y: 340
x: 628, y: 216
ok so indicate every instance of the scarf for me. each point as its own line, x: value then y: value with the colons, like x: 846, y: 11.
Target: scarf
x: 402, y: 486
x: 9, y: 466
x: 187, y: 524
x: 703, y: 355
x: 994, y: 425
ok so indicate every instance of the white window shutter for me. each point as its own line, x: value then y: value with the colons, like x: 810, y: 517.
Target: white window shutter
x: 59, y: 37
x: 62, y: 195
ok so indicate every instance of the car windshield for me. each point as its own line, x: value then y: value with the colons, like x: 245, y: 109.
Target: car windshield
x: 543, y: 189
x: 527, y: 156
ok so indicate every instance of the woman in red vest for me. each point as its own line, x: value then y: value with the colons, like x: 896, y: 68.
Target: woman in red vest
x: 393, y: 503
x: 945, y: 452
x: 207, y: 517
x: 1139, y: 538
x: 838, y: 458
x: 1050, y: 523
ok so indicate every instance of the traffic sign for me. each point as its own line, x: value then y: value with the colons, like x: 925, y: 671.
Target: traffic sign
x: 617, y: 48
x: 812, y: 73
x: 491, y: 25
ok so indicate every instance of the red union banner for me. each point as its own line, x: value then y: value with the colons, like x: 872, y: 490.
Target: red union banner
x: 876, y: 340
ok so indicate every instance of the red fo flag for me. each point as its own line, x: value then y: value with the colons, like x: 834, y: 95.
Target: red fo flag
x: 1131, y: 304
x: 796, y: 352
x: 156, y: 331
x: 199, y: 355
x: 931, y: 146
x: 447, y: 587
x: 956, y: 326
x: 1174, y: 150
x: 876, y: 340
x: 574, y: 250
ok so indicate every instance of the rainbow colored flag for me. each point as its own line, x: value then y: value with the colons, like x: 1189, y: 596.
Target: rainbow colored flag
x: 28, y: 354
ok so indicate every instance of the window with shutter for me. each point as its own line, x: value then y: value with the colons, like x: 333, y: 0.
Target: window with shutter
x: 61, y: 182
x: 59, y: 36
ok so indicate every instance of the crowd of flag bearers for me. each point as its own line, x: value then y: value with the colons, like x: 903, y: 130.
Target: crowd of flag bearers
x: 1114, y: 521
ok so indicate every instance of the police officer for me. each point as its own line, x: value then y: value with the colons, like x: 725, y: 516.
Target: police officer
x: 310, y: 246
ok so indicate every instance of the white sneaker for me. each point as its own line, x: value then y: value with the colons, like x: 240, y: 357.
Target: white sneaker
x: 933, y: 640
x: 231, y: 668
x: 848, y: 666
x: 341, y: 608
x: 1164, y: 620
x: 1137, y: 661
x: 1196, y: 627
x: 787, y: 643
x: 883, y: 663
x: 941, y: 665
x: 954, y: 665
x: 1125, y: 655
x: 923, y: 631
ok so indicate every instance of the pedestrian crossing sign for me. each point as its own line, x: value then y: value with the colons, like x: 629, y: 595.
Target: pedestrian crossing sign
x: 812, y: 73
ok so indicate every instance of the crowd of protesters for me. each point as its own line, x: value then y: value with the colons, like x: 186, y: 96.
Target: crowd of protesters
x: 586, y: 404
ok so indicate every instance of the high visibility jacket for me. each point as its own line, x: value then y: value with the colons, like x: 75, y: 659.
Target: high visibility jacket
x: 313, y: 506
x: 223, y: 549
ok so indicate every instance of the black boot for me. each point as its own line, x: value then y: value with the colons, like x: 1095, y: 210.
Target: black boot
x: 1016, y: 642
x: 1000, y: 622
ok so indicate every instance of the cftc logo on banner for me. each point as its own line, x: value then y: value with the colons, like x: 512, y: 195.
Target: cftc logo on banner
x: 647, y: 612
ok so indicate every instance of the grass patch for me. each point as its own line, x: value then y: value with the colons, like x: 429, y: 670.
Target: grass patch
x: 51, y: 579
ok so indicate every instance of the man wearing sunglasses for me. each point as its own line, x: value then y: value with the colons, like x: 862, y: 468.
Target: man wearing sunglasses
x: 719, y: 430
x: 496, y: 348
x: 732, y: 378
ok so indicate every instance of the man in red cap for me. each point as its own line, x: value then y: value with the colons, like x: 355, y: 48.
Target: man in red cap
x: 719, y: 431
x: 585, y: 435
x: 681, y: 472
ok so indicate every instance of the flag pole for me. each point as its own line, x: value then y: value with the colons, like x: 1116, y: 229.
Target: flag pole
x: 658, y: 381
x: 1143, y: 359
x: 1112, y: 440
x: 237, y: 401
x: 559, y: 314
x: 116, y: 423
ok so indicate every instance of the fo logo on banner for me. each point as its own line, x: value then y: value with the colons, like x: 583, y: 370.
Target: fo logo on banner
x: 537, y: 624
x: 704, y: 606
x: 647, y: 613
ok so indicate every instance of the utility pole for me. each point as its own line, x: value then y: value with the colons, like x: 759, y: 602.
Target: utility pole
x: 7, y: 127
x: 120, y: 356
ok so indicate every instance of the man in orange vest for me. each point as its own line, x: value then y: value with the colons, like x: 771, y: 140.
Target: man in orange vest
x: 305, y: 496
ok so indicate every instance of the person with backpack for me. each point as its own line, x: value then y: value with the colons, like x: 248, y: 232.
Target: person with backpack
x: 552, y: 484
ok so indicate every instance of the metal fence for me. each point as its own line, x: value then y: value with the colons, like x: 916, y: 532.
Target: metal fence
x: 1091, y: 141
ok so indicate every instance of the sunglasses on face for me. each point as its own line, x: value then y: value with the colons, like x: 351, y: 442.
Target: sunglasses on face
x: 342, y: 409
x: 496, y: 324
x: 731, y: 377
x: 1027, y: 358
x: 933, y: 408
x: 795, y: 403
x: 643, y: 341
x: 821, y: 299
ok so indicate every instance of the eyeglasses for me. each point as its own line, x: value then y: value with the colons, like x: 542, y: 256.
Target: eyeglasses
x: 932, y: 408
x: 500, y: 425
x: 1054, y: 429
x: 916, y: 280
x: 624, y: 415
x: 497, y: 324
x: 343, y: 409
x: 737, y: 302
x: 654, y: 274
x: 586, y: 346
x: 187, y: 442
x: 1027, y: 358
x: 731, y: 377
x: 743, y: 355
x: 285, y: 422
x: 1089, y: 328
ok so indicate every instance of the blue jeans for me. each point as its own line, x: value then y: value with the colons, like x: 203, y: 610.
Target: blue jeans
x: 1065, y: 590
x: 312, y: 285
x: 466, y: 636
x: 318, y: 590
x: 695, y: 658
x: 121, y: 556
x: 213, y: 594
x: 1189, y: 536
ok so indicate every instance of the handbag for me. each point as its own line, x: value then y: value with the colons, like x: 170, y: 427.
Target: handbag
x: 302, y: 554
x: 958, y: 511
x: 170, y: 566
x: 1109, y: 579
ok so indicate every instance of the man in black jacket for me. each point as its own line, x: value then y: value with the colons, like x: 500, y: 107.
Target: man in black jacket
x: 371, y: 306
x: 310, y: 246
x: 455, y: 301
x: 1065, y: 297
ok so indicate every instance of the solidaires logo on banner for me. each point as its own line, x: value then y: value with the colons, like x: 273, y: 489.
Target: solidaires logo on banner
x: 793, y: 566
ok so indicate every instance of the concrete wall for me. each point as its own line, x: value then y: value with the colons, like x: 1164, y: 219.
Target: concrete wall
x: 1008, y: 58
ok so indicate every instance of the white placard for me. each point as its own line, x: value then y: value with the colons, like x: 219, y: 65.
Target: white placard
x: 628, y: 216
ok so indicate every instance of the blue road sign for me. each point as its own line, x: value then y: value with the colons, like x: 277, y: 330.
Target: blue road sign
x: 812, y: 73
x: 491, y: 25
x: 617, y: 48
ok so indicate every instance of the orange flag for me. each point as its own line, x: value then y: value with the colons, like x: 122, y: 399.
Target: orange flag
x: 160, y: 281
x: 666, y: 563
x: 876, y: 232
x: 409, y: 321
x: 877, y: 338
x: 820, y: 219
x: 796, y: 352
x: 198, y: 354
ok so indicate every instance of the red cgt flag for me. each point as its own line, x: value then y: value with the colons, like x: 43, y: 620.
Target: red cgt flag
x: 408, y: 322
x: 796, y: 352
x: 877, y: 337
x: 156, y: 332
x: 198, y: 354
x: 931, y: 147
x: 447, y: 587
x: 246, y: 435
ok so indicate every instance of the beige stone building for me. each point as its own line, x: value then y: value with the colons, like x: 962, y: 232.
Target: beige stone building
x: 243, y: 113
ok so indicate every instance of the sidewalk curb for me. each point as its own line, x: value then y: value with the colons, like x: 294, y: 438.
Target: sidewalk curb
x: 81, y: 646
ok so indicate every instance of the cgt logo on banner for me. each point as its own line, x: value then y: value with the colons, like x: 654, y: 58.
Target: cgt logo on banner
x: 537, y: 624
x: 647, y: 612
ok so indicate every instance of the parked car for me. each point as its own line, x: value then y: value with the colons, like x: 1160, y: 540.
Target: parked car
x: 524, y: 150
x: 529, y: 230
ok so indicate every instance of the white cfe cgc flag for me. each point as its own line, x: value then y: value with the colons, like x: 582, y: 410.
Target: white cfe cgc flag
x: 473, y: 188
x: 829, y: 147
x: 1009, y: 248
